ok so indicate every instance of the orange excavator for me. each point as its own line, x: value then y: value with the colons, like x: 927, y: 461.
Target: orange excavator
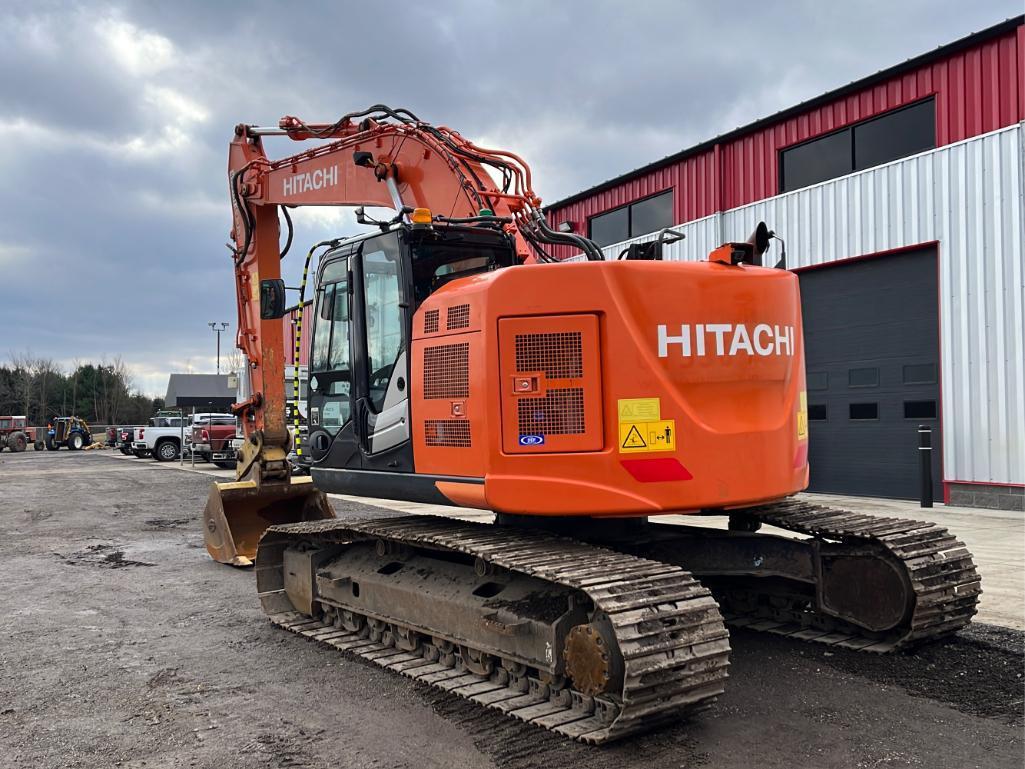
x: 456, y: 361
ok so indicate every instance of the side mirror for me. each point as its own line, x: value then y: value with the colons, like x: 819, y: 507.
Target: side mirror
x: 272, y: 299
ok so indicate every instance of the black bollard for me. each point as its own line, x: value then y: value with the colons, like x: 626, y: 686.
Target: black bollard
x: 925, y: 458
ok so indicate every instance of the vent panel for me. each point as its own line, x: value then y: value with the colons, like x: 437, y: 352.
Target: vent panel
x: 431, y: 319
x: 559, y: 412
x: 559, y: 355
x: 458, y: 317
x: 447, y: 371
x: 454, y: 433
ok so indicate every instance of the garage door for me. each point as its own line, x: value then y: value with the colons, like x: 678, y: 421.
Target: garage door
x: 872, y: 348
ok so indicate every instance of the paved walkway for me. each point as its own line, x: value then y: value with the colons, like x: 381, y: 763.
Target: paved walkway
x: 996, y: 538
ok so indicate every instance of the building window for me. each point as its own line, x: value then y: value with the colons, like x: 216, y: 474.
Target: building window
x: 895, y: 135
x: 818, y: 380
x: 824, y: 158
x: 858, y: 411
x: 920, y: 373
x: 640, y: 218
x: 612, y: 227
x: 863, y: 377
x: 817, y: 412
x: 891, y: 136
x: 919, y: 409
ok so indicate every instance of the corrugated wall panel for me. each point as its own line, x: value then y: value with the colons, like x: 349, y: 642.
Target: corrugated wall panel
x: 968, y: 197
x: 977, y: 90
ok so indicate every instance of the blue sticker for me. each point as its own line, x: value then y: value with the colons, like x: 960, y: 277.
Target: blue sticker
x: 532, y: 440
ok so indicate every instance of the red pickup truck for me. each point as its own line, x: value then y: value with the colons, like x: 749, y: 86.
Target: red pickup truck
x: 211, y: 438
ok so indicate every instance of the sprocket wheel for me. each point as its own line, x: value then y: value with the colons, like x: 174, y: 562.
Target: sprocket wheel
x: 587, y: 659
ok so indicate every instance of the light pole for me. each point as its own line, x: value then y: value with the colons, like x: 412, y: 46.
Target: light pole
x: 218, y: 331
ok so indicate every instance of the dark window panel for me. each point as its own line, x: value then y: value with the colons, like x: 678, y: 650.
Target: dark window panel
x: 864, y: 411
x: 817, y: 412
x: 919, y: 409
x: 863, y: 377
x: 652, y: 214
x: 612, y: 227
x: 816, y: 161
x: 920, y: 373
x: 894, y: 135
x: 818, y: 380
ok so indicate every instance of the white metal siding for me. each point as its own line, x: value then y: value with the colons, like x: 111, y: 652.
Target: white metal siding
x: 968, y: 197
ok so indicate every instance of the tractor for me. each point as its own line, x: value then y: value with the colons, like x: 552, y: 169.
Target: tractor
x: 16, y: 435
x: 68, y: 431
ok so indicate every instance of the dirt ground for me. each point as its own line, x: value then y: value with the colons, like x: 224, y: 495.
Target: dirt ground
x: 123, y: 644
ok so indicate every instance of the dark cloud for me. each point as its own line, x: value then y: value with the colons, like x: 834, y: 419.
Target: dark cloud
x: 115, y: 119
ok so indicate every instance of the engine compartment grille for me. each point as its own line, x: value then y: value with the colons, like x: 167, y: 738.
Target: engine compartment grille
x: 454, y: 433
x: 447, y: 371
x: 559, y: 355
x: 458, y: 317
x: 559, y: 412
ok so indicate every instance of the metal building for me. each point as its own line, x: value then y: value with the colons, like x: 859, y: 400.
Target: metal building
x: 900, y: 198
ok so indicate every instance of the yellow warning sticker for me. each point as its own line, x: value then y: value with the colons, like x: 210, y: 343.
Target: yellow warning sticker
x: 802, y: 417
x: 658, y: 435
x: 639, y: 410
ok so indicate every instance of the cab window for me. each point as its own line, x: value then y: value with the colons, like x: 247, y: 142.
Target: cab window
x: 382, y: 297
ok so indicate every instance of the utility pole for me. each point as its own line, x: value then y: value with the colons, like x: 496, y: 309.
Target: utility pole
x: 218, y: 331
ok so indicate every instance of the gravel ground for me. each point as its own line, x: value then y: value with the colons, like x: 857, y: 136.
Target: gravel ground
x: 123, y: 644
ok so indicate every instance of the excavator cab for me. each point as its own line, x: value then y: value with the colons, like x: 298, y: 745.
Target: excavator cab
x: 367, y: 292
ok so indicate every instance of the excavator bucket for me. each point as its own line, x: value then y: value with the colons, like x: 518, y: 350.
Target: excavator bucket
x: 238, y: 513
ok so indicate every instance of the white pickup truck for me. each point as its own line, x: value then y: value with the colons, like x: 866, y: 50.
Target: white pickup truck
x: 162, y: 438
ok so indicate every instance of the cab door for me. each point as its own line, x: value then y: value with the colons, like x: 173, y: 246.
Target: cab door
x: 332, y: 438
x: 359, y: 365
x: 382, y: 321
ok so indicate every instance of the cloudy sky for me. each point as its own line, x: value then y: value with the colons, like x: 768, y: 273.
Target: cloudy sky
x: 115, y: 120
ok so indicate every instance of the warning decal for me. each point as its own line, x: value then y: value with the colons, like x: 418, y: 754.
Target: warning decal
x: 647, y: 436
x: 642, y: 428
x: 802, y: 417
x: 639, y: 410
x: 633, y: 439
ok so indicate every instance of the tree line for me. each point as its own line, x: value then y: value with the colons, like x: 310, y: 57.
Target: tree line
x: 101, y: 393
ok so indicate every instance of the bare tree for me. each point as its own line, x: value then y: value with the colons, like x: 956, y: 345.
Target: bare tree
x: 76, y: 364
x: 23, y: 365
x: 115, y: 385
x: 47, y: 371
x: 234, y: 360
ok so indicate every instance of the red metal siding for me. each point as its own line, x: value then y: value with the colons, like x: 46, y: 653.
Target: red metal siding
x: 307, y: 335
x: 692, y: 181
x: 977, y: 90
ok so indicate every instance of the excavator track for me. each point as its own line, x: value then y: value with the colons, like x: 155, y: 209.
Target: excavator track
x: 653, y: 635
x: 941, y: 584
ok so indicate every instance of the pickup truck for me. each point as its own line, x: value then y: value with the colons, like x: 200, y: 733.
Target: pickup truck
x: 161, y: 438
x: 212, y: 436
x: 125, y: 436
